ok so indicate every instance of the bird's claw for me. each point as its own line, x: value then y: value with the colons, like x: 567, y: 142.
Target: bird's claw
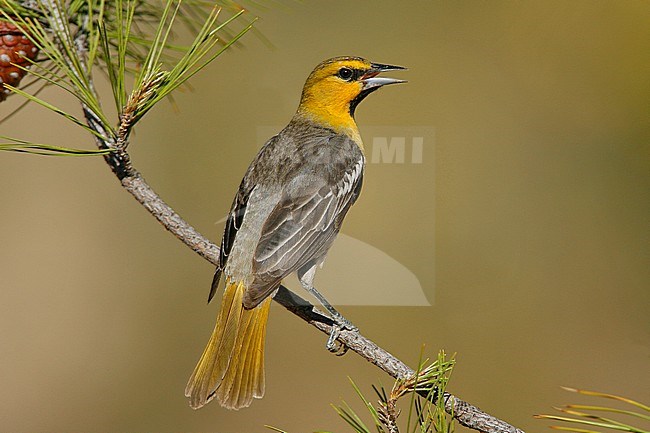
x: 343, y: 349
x: 334, y: 346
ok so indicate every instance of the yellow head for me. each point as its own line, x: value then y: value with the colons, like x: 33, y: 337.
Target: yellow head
x: 335, y: 88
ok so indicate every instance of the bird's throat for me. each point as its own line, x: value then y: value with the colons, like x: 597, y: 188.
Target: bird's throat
x: 334, y: 117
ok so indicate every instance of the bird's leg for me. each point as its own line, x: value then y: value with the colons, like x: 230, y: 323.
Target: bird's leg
x: 340, y: 322
x: 336, y: 316
x: 306, y: 280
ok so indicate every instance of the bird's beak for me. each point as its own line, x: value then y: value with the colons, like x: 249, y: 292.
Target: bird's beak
x: 370, y: 79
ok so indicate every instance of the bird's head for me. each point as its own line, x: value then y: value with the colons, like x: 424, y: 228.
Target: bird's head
x: 336, y: 86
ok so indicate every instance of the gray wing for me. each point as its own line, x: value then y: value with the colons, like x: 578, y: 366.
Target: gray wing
x: 301, y: 227
x: 237, y: 212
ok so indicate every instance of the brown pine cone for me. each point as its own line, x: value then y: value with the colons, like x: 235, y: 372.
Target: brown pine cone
x: 14, y: 48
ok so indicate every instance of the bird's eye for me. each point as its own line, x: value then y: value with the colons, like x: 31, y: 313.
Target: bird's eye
x: 345, y: 74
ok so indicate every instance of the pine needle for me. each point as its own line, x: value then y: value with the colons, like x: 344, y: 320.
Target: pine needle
x: 129, y: 43
x: 584, y: 418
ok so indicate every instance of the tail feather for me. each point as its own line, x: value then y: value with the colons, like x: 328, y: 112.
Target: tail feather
x: 237, y: 387
x: 232, y: 365
x: 231, y: 384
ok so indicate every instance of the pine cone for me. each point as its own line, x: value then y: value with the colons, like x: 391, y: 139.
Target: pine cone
x: 16, y: 48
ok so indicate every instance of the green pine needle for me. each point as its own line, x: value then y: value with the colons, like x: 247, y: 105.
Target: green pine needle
x: 129, y: 42
x: 275, y: 429
x: 584, y: 418
x: 424, y: 415
x: 609, y: 409
x: 54, y: 109
x: 645, y: 407
x: 21, y: 146
x: 609, y: 425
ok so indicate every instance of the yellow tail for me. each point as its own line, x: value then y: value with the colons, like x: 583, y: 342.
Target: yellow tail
x: 232, y: 365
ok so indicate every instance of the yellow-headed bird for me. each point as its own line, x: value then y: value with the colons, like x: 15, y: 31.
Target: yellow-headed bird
x: 285, y: 216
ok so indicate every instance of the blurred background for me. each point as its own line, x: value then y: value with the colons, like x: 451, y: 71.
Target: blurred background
x: 526, y: 223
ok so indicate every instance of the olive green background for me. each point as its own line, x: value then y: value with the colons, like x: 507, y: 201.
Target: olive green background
x: 526, y: 224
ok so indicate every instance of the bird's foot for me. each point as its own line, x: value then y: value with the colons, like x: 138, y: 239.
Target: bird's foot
x: 340, y: 323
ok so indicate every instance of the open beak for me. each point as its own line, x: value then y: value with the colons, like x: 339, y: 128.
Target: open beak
x: 370, y: 79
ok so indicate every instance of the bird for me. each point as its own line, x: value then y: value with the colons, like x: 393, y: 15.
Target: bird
x: 284, y: 217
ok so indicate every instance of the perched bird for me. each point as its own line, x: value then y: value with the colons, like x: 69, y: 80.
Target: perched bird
x: 285, y: 216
